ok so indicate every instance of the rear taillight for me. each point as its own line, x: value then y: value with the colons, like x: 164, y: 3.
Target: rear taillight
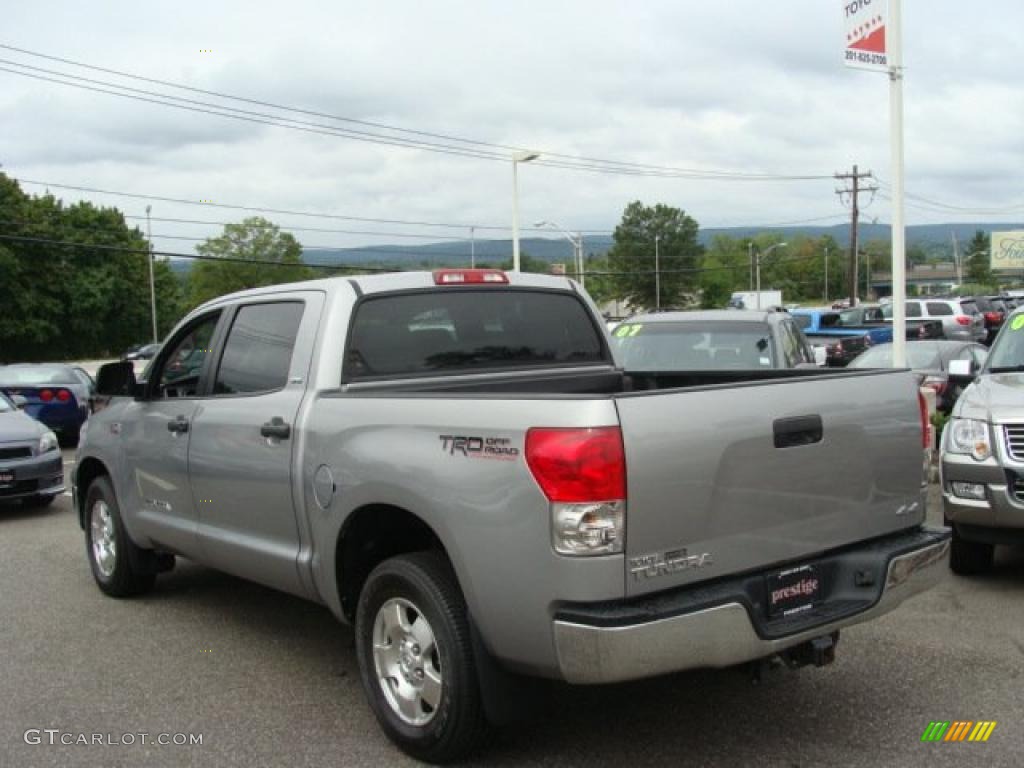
x: 469, y: 277
x: 963, y: 320
x: 46, y: 395
x: 993, y: 317
x: 925, y: 423
x: 63, y: 395
x: 582, y: 472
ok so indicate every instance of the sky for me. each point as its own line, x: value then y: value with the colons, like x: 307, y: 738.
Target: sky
x: 745, y: 86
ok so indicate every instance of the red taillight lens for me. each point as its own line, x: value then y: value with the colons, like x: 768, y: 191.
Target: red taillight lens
x: 470, y: 277
x: 925, y: 424
x: 963, y: 320
x: 993, y: 317
x: 574, y: 465
x: 63, y: 395
x: 46, y: 395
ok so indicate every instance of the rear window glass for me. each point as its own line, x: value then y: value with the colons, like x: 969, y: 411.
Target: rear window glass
x: 34, y: 376
x: 258, y: 352
x: 458, y: 330
x: 983, y: 304
x: 692, y: 346
x: 802, y: 321
x: 939, y: 309
x: 969, y: 307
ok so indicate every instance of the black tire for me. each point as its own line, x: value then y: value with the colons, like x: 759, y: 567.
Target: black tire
x: 38, y: 502
x: 133, y: 571
x: 458, y: 725
x: 968, y: 558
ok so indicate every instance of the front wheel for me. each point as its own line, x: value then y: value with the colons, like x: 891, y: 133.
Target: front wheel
x: 968, y: 558
x: 118, y: 564
x: 416, y: 660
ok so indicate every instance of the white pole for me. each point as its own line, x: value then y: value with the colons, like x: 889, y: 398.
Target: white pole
x: 750, y: 257
x: 826, y: 274
x: 657, y: 275
x: 515, y: 215
x: 579, y: 244
x: 152, y: 282
x: 894, y: 43
x: 757, y: 269
x: 472, y: 247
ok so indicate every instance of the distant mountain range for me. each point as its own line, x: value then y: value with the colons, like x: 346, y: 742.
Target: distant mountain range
x: 936, y: 239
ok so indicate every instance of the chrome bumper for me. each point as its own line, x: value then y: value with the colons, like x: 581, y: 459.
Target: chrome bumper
x: 721, y: 636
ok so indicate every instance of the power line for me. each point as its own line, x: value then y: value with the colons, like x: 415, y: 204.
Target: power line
x: 192, y: 256
x: 470, y: 147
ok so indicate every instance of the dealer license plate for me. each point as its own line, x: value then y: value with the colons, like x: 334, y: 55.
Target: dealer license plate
x: 793, y: 590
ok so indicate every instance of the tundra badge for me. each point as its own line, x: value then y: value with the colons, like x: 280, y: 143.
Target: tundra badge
x: 664, y: 563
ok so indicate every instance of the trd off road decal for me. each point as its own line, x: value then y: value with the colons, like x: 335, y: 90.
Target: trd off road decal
x: 479, y: 447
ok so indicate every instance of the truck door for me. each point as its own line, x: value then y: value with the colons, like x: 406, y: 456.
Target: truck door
x: 243, y: 444
x: 156, y: 432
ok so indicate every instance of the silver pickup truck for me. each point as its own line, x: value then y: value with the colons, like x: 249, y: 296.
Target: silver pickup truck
x: 455, y: 463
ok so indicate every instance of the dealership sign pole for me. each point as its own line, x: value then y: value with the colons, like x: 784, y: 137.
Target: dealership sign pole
x: 874, y: 40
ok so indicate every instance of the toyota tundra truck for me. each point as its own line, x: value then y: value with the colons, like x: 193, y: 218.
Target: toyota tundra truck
x: 456, y: 463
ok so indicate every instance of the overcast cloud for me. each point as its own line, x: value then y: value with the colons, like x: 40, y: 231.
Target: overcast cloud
x: 739, y: 85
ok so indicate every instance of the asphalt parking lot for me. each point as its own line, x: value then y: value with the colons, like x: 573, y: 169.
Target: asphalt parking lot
x: 268, y: 679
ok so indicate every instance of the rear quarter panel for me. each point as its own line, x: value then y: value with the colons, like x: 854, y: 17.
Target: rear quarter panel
x: 488, y: 512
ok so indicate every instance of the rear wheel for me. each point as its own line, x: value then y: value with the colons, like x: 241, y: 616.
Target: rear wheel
x: 120, y: 567
x: 416, y: 659
x: 970, y: 557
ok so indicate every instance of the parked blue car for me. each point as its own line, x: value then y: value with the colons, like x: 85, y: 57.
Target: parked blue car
x: 828, y: 322
x: 56, y: 395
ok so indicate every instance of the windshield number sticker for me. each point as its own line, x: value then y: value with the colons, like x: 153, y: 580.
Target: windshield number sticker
x: 1017, y: 323
x: 628, y: 331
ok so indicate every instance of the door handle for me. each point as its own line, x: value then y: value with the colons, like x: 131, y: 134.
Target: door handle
x: 178, y: 426
x: 799, y: 430
x: 276, y: 427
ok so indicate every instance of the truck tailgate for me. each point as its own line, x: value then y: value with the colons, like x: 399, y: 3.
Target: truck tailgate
x: 728, y: 479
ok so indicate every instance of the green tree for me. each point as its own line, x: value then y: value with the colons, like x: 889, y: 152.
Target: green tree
x: 85, y: 297
x: 249, y: 254
x: 633, y: 254
x: 979, y: 264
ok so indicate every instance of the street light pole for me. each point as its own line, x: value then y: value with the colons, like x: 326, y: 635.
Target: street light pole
x: 152, y: 282
x: 472, y: 247
x: 657, y: 274
x: 577, y: 246
x: 757, y: 267
x: 517, y: 158
x: 826, y: 275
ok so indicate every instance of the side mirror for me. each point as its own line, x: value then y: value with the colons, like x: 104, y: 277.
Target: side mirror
x: 116, y: 380
x: 961, y: 369
x: 19, y: 402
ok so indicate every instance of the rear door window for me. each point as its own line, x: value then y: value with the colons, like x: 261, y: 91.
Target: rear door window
x: 258, y: 351
x: 913, y: 309
x: 463, y: 330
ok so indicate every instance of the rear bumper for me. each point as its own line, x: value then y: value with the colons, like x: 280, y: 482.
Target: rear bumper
x: 725, y: 624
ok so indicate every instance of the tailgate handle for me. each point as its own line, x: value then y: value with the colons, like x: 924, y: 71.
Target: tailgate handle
x: 798, y: 430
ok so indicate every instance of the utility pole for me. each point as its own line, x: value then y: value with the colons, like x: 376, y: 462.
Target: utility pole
x: 472, y: 247
x: 854, y: 189
x: 579, y: 248
x: 152, y: 282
